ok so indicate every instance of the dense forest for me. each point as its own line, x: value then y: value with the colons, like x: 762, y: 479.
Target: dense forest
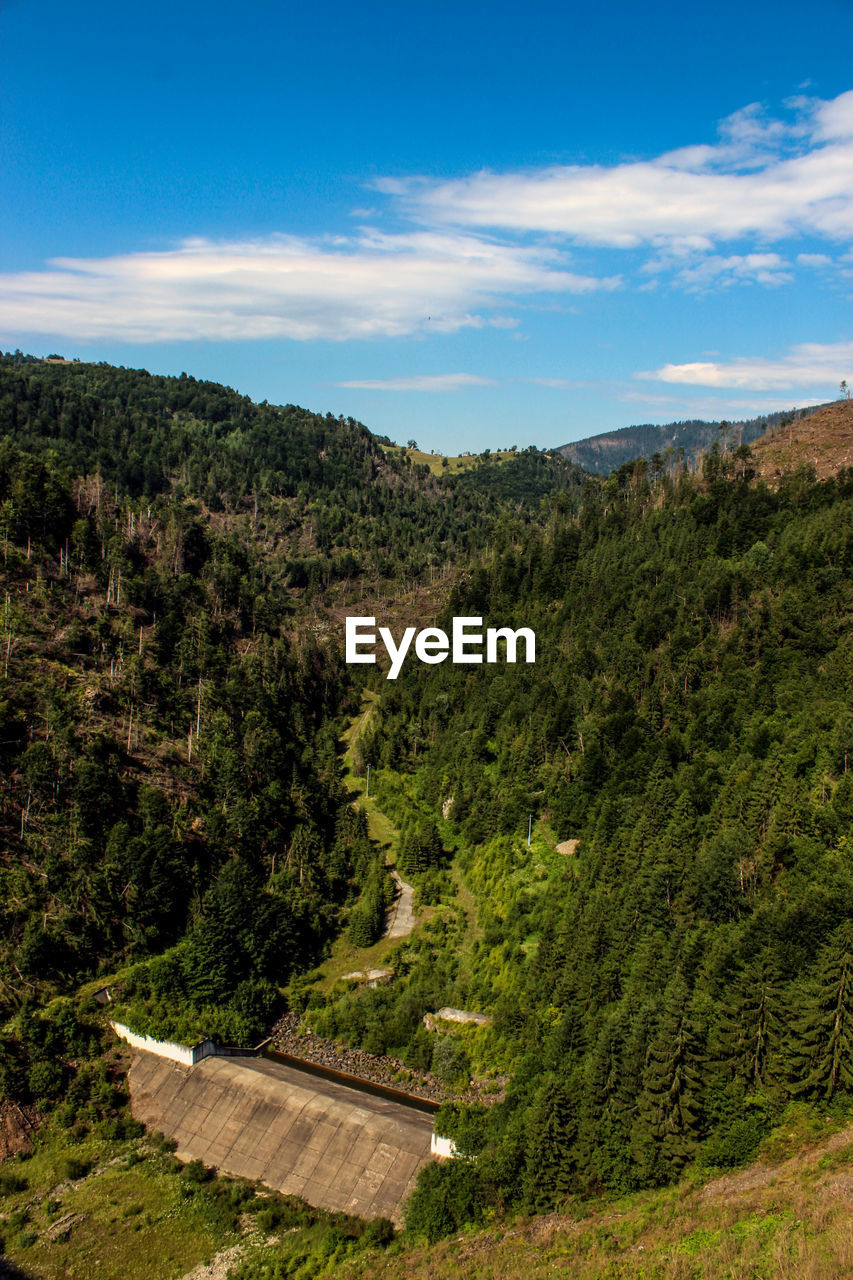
x: 171, y: 790
x: 173, y: 696
x: 320, y: 498
x: 665, y: 992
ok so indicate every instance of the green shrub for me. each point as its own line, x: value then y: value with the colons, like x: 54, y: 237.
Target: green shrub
x: 76, y: 1168
x: 10, y: 1182
x: 450, y: 1062
x: 737, y: 1145
x: 46, y: 1081
x: 445, y: 1198
x: 197, y: 1171
x: 378, y: 1233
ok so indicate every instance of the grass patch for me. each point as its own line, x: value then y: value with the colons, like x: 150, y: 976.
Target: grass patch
x: 130, y: 1208
x: 435, y: 461
x: 345, y: 958
x: 379, y: 826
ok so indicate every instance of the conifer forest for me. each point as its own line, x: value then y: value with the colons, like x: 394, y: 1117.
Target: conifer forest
x: 634, y: 857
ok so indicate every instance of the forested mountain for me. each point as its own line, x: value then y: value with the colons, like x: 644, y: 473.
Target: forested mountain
x: 170, y: 781
x: 635, y: 855
x: 320, y: 497
x: 683, y: 440
x: 671, y: 987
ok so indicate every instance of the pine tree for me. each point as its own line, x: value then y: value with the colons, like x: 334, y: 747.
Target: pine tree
x: 670, y: 1109
x: 748, y: 1035
x: 550, y: 1158
x: 823, y: 1035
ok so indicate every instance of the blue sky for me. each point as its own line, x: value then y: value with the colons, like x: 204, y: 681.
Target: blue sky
x: 475, y: 224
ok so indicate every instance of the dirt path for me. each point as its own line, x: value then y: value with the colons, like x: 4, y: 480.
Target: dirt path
x: 401, y: 917
x: 359, y: 722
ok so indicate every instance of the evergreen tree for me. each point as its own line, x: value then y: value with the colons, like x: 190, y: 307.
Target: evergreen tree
x: 748, y: 1029
x: 550, y: 1154
x: 822, y: 1057
x: 670, y: 1119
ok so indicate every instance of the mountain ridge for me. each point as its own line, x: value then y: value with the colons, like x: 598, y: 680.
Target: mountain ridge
x: 606, y: 451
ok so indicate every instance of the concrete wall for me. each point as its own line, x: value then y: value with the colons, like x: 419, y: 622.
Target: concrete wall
x: 207, y: 1049
x: 187, y: 1054
x: 443, y: 1148
x: 463, y: 1015
x: 335, y: 1147
x: 162, y: 1048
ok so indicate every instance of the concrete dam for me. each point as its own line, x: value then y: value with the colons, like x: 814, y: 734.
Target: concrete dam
x: 335, y: 1146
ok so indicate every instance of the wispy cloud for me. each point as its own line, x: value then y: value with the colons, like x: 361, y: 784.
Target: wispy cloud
x: 720, y: 271
x: 558, y: 384
x: 764, y: 177
x: 710, y: 406
x: 814, y: 260
x: 422, y: 382
x: 367, y: 286
x: 811, y: 365
x: 480, y: 247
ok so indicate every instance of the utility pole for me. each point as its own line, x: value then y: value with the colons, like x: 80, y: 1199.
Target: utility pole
x: 367, y: 792
x: 529, y: 828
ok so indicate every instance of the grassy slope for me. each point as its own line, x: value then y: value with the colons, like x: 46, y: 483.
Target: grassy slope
x: 344, y: 957
x: 788, y: 1216
x: 132, y: 1212
x: 464, y: 462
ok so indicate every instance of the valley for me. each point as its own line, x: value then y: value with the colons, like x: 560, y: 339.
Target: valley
x: 631, y: 857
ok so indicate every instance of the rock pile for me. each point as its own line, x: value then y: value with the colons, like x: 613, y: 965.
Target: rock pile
x: 288, y: 1036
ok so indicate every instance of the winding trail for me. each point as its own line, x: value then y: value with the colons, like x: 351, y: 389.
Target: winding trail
x: 400, y: 920
x: 401, y: 917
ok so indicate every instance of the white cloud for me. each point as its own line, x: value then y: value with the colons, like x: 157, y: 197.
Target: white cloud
x: 716, y: 270
x: 834, y: 119
x: 814, y: 260
x: 422, y: 382
x: 765, y: 178
x: 479, y: 245
x: 367, y: 286
x: 811, y: 365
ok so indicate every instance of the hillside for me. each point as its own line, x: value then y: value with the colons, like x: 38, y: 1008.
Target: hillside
x: 786, y: 1215
x: 824, y: 441
x: 604, y: 453
x: 176, y: 564
x: 665, y: 992
x: 633, y: 856
x: 441, y: 465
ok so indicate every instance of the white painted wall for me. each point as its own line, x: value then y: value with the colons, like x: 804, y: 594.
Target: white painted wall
x: 444, y: 1148
x: 163, y: 1048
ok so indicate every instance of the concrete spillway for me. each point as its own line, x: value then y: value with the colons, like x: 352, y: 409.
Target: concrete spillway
x: 334, y: 1146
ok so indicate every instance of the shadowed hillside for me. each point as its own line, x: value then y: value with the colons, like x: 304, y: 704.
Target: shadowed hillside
x: 603, y: 453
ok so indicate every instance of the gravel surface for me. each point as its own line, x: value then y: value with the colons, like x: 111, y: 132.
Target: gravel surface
x: 401, y: 917
x: 289, y: 1037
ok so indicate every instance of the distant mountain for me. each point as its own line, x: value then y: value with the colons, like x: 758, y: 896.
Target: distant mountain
x: 604, y: 453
